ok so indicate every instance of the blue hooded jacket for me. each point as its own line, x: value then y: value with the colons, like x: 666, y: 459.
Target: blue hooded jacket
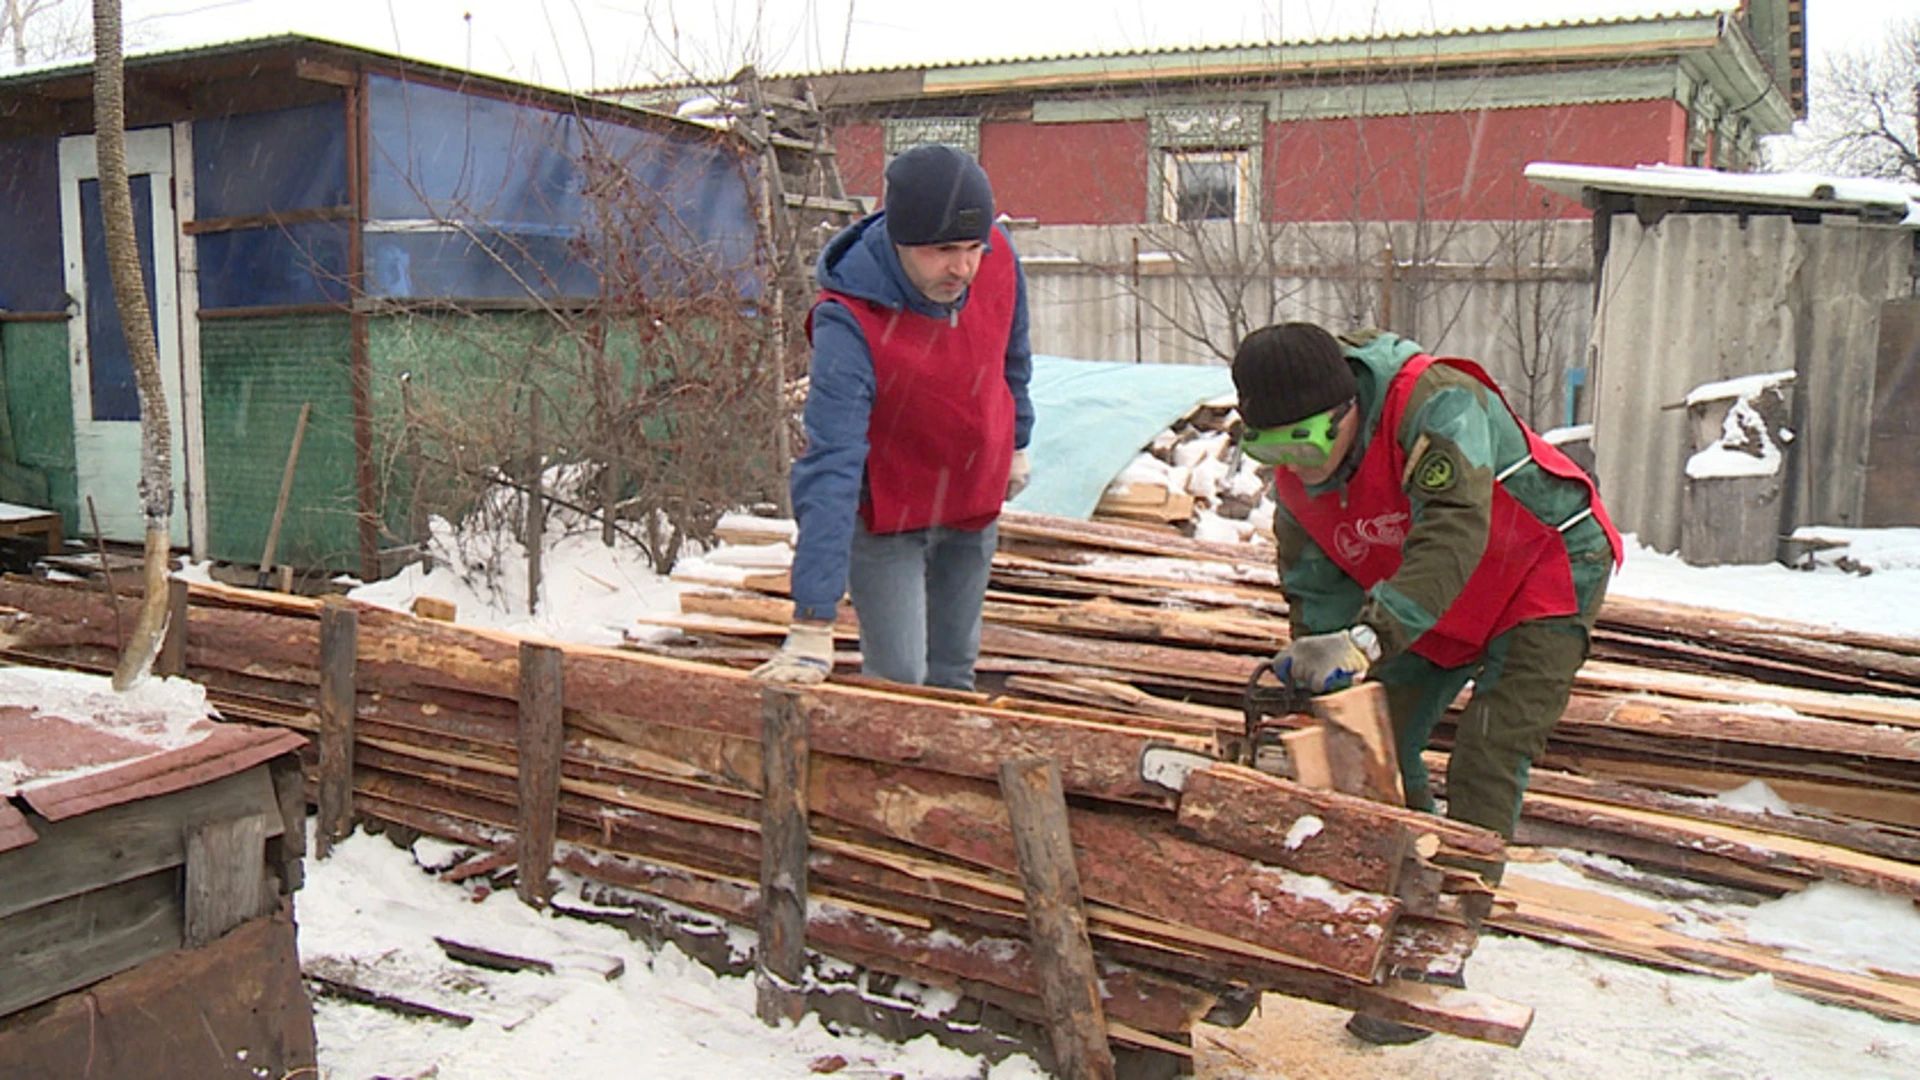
x: 862, y: 262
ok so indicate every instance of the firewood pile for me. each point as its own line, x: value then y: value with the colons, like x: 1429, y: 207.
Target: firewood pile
x: 1676, y: 706
x: 1195, y: 901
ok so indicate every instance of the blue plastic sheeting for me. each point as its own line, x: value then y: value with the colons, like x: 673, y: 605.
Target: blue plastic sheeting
x: 258, y: 163
x: 472, y: 197
x: 272, y: 162
x: 114, y: 395
x: 31, y: 274
x: 1093, y: 417
x: 292, y: 264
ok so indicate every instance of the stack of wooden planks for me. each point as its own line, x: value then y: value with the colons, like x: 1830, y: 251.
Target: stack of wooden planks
x: 1678, y: 706
x: 1197, y: 901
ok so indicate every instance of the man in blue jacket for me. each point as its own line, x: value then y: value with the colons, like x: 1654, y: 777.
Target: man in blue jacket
x: 917, y: 419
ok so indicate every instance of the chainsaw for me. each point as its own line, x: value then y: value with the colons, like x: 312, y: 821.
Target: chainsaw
x: 1272, y: 707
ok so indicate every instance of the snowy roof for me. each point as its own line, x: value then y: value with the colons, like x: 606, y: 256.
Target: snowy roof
x: 1884, y: 202
x: 71, y: 744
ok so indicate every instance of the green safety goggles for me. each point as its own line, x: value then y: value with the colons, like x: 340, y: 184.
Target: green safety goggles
x: 1307, y: 443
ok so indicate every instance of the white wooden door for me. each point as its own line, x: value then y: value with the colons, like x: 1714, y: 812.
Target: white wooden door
x: 106, y: 405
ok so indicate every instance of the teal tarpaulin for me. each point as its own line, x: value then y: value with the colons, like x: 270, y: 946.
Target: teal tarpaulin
x: 1093, y: 417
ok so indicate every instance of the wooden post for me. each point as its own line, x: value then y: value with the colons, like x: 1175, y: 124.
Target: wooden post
x: 339, y: 644
x: 1056, y: 920
x: 536, y: 507
x: 173, y: 651
x: 1359, y: 743
x: 541, y: 740
x: 226, y: 876
x: 783, y: 859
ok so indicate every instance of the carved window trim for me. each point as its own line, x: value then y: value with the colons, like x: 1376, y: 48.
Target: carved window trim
x: 903, y: 133
x: 1236, y: 128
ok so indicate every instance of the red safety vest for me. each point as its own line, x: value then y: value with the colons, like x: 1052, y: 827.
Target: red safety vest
x: 1524, y: 572
x: 940, y: 438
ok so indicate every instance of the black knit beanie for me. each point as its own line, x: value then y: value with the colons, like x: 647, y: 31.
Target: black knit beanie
x: 1289, y: 372
x: 937, y: 195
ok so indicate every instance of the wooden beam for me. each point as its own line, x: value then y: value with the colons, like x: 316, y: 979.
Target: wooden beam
x: 541, y: 740
x: 782, y: 956
x: 173, y: 650
x: 1359, y: 743
x: 1037, y: 810
x: 339, y: 646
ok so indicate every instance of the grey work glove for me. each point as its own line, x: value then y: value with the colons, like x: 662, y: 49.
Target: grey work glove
x: 1018, y: 476
x: 1319, y: 663
x: 805, y: 659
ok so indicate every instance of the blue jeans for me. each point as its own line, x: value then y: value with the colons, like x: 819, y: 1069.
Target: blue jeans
x: 918, y: 595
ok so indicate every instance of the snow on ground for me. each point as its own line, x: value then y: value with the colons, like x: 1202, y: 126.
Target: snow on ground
x: 1886, y: 600
x: 668, y: 1016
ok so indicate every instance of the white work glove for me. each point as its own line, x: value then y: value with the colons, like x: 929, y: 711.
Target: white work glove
x: 805, y: 659
x: 1319, y: 663
x: 1018, y: 476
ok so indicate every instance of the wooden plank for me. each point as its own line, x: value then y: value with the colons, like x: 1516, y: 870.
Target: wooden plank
x: 1752, y: 846
x: 226, y: 874
x: 173, y: 649
x: 1307, y: 831
x: 541, y: 741
x: 84, y: 938
x: 1139, y: 864
x: 1359, y: 743
x: 120, y: 843
x: 1307, y: 751
x: 287, y: 853
x: 339, y: 646
x: 782, y: 956
x: 1057, y: 922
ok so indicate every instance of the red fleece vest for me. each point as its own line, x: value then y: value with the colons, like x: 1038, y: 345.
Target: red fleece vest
x: 940, y: 439
x: 1524, y: 573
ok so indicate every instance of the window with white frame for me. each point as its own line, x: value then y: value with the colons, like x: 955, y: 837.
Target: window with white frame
x: 1204, y: 162
x: 1207, y: 185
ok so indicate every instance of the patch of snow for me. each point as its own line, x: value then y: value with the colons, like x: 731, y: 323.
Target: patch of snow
x: 1755, y: 797
x: 160, y: 714
x: 1741, y: 388
x: 1304, y: 828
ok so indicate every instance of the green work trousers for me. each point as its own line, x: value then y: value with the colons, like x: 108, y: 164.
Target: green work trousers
x: 1521, y: 684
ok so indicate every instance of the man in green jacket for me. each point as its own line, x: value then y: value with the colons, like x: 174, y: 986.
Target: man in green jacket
x: 1426, y: 538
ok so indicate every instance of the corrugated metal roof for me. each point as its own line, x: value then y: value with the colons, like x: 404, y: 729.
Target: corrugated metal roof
x: 81, y: 748
x: 1684, y: 12
x: 1885, y: 202
x: 57, y: 70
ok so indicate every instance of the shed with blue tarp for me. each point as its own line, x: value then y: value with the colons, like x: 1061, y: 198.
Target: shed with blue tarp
x: 310, y: 216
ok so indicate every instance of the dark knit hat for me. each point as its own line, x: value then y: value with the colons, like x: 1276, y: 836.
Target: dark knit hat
x: 1289, y: 372
x: 937, y: 195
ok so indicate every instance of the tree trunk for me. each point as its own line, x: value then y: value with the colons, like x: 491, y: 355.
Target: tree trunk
x: 130, y: 295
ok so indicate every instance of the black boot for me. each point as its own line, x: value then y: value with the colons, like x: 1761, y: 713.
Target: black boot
x: 1374, y: 1030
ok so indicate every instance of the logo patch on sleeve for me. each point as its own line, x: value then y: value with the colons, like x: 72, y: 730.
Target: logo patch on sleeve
x: 1435, y: 472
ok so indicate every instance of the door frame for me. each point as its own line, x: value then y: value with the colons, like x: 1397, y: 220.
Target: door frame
x: 150, y: 152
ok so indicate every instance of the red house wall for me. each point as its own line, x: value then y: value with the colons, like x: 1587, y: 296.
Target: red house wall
x: 1455, y: 165
x: 1092, y: 173
x: 1394, y: 168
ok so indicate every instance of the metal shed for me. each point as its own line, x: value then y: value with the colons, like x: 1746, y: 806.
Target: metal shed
x: 1705, y: 276
x: 307, y: 211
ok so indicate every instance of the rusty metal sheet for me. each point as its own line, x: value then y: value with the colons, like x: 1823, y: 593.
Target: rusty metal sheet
x: 179, y: 1017
x: 14, y: 830
x: 227, y: 749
